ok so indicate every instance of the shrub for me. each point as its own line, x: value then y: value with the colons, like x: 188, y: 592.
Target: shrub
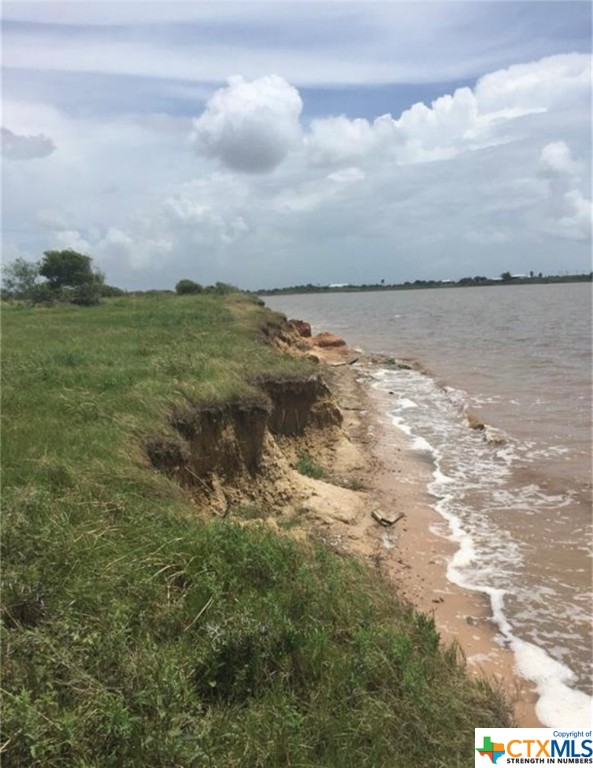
x: 222, y: 289
x: 86, y: 295
x: 188, y: 286
x: 43, y: 294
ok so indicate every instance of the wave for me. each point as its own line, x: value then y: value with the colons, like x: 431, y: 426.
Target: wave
x: 495, y: 522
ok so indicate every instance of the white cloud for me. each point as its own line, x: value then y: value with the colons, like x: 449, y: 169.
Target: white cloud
x: 325, y: 43
x: 537, y: 85
x: 71, y: 238
x: 250, y: 126
x: 572, y: 218
x: 556, y: 158
x: 271, y: 200
x: 18, y: 147
x: 567, y: 212
x: 465, y: 120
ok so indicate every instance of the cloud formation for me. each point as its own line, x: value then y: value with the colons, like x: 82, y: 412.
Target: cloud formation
x: 250, y: 126
x: 18, y: 147
x: 465, y: 120
x: 478, y: 181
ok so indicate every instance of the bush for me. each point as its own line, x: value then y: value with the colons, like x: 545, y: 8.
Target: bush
x: 188, y: 286
x: 109, y: 291
x: 86, y: 295
x: 43, y: 294
x: 222, y: 289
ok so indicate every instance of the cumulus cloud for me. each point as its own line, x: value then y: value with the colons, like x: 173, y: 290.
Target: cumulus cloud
x: 556, y: 158
x: 570, y: 217
x: 463, y: 121
x: 18, y: 147
x: 364, y: 192
x: 250, y: 126
x: 536, y: 86
x: 568, y: 212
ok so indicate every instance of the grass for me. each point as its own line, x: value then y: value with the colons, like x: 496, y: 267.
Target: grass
x: 135, y: 633
x: 307, y: 466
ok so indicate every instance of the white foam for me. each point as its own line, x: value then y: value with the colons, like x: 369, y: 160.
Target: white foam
x: 488, y: 559
x: 559, y: 705
x: 420, y: 444
x: 405, y: 402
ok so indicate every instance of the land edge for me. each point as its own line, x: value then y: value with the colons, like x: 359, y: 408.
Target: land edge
x: 361, y: 492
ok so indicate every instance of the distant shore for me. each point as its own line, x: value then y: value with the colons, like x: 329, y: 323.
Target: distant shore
x: 465, y: 282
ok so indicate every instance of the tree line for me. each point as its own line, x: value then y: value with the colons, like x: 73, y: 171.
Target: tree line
x: 66, y: 276
x: 506, y: 278
x: 61, y: 276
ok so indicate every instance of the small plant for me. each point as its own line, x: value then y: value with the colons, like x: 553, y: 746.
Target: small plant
x: 307, y: 466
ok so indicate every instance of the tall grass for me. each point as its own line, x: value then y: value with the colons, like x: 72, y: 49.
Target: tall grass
x: 134, y: 632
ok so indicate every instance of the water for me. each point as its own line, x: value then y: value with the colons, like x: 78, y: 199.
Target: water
x: 516, y: 497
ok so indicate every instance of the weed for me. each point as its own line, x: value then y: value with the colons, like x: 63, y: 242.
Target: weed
x: 306, y: 465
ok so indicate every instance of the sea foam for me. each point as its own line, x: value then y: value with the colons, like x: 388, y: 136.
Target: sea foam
x: 471, y: 485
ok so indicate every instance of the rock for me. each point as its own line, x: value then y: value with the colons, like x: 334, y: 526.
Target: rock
x: 325, y: 339
x: 474, y: 422
x: 386, y: 519
x: 301, y: 327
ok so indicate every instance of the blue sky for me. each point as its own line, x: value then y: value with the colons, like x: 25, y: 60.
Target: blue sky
x: 278, y: 143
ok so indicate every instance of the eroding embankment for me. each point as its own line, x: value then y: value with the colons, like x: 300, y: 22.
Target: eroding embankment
x: 230, y: 445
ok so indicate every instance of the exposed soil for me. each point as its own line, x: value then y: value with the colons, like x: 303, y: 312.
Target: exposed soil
x: 244, y: 456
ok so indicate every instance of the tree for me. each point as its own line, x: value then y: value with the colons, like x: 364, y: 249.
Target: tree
x: 188, y: 286
x: 68, y: 269
x: 506, y: 277
x: 20, y: 277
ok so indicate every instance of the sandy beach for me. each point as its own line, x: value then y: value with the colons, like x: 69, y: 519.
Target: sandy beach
x: 374, y: 473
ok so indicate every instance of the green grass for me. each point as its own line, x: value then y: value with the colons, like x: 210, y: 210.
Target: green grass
x: 135, y: 633
x: 307, y: 466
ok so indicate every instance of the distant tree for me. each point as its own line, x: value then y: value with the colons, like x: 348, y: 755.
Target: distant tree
x: 188, y: 286
x: 530, y: 273
x: 68, y: 269
x: 506, y: 277
x: 20, y: 277
x: 221, y: 288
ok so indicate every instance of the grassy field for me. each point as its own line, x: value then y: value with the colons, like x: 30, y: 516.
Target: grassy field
x: 135, y: 633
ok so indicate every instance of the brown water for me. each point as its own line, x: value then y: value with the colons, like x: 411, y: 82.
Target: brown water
x: 519, y: 503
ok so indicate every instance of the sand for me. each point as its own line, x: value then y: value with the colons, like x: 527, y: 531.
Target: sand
x: 388, y: 478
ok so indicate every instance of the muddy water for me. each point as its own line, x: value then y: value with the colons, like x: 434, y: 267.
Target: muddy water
x: 516, y: 497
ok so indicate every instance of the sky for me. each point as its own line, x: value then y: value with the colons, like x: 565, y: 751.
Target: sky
x: 270, y: 144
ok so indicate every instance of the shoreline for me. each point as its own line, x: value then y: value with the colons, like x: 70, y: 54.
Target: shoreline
x: 414, y: 552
